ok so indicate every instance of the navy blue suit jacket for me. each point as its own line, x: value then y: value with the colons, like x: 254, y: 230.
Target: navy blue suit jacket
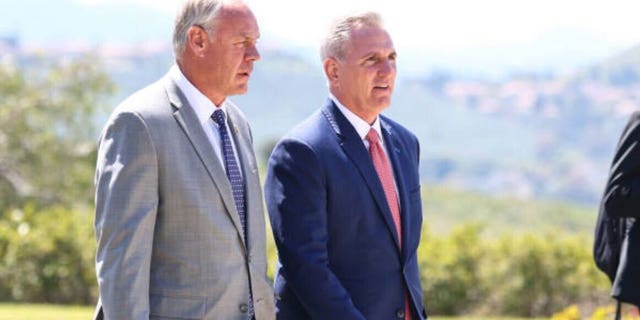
x: 338, y: 248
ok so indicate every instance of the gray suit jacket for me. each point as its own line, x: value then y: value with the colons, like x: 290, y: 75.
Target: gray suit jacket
x: 170, y: 242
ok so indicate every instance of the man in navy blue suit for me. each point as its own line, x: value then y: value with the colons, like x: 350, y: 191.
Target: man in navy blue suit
x: 343, y: 192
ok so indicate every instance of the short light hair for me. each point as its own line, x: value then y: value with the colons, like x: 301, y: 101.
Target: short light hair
x: 193, y: 13
x: 335, y: 43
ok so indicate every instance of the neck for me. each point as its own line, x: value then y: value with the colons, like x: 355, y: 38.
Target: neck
x: 198, y: 80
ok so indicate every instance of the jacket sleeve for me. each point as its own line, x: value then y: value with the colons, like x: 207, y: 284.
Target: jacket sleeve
x: 622, y: 194
x: 126, y: 207
x: 297, y: 202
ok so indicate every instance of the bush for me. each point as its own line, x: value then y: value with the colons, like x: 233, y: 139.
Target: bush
x: 47, y: 256
x: 521, y: 275
x: 451, y: 273
x: 542, y: 274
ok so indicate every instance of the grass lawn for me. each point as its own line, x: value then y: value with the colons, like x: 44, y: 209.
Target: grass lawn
x: 44, y: 311
x: 10, y: 311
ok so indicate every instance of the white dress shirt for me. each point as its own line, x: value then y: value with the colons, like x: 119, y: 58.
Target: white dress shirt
x: 204, y: 109
x: 362, y: 128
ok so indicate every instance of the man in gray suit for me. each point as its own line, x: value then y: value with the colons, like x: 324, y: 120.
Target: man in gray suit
x: 179, y: 212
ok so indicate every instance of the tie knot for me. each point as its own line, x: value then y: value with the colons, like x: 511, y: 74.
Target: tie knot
x: 218, y: 117
x: 372, y: 136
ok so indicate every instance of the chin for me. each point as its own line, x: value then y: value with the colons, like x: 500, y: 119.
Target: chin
x: 240, y: 90
x: 382, y: 104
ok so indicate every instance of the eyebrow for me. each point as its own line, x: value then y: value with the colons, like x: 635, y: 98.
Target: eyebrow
x: 246, y: 36
x: 375, y: 53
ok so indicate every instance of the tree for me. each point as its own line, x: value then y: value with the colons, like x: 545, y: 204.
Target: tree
x: 47, y: 131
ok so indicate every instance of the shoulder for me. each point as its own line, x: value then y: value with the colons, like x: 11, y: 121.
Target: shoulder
x: 308, y: 140
x: 150, y: 102
x: 635, y: 116
x: 314, y: 130
x: 146, y: 110
x: 631, y: 131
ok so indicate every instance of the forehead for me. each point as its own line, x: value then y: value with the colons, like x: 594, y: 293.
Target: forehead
x: 368, y: 39
x: 236, y: 21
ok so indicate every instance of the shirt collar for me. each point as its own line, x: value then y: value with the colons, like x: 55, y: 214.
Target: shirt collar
x: 362, y: 127
x: 203, y: 107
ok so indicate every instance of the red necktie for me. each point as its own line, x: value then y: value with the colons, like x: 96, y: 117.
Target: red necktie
x: 383, y: 168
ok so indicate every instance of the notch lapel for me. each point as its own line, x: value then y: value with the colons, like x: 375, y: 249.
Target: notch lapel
x: 244, y: 150
x: 188, y: 121
x: 394, y: 154
x: 354, y: 148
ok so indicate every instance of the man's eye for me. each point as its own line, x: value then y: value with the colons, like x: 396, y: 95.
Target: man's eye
x: 370, y: 60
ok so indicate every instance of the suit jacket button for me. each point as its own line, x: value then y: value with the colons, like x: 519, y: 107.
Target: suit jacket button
x: 244, y: 308
x: 400, y: 314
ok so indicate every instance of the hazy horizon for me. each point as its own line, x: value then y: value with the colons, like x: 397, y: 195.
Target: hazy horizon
x: 495, y: 38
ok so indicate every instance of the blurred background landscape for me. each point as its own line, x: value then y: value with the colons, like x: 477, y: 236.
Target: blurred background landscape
x: 518, y: 108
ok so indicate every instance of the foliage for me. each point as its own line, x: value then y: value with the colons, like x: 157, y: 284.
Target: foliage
x: 47, y: 256
x: 514, y: 274
x: 47, y: 136
x: 272, y: 252
x: 571, y: 312
x: 451, y: 272
x: 445, y: 208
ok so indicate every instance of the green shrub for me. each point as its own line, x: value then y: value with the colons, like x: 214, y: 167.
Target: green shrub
x: 47, y: 256
x: 521, y: 275
x: 451, y: 272
x: 541, y: 274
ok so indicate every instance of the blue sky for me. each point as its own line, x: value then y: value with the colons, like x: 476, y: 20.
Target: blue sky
x: 453, y: 24
x: 473, y: 36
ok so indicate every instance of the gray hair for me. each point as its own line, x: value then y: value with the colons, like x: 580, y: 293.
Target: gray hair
x: 193, y: 13
x: 335, y: 43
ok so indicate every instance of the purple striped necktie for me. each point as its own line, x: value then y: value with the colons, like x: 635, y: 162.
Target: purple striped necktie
x: 237, y: 185
x: 232, y: 167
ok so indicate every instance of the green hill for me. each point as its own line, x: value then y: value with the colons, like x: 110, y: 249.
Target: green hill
x: 621, y: 69
x: 445, y: 208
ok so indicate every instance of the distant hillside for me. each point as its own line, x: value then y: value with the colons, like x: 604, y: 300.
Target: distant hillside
x: 537, y: 136
x: 622, y: 69
x: 445, y: 208
x: 527, y: 137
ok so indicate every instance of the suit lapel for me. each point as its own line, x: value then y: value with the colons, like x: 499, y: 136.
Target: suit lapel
x: 357, y: 152
x: 244, y: 149
x: 188, y: 121
x: 394, y: 153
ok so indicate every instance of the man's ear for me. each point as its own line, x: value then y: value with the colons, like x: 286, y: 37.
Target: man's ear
x: 197, y: 40
x: 331, y: 69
